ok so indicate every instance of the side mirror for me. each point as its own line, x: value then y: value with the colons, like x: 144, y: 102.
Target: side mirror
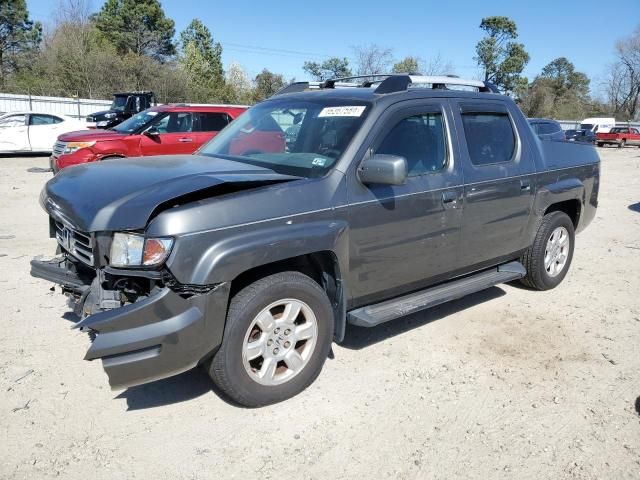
x: 384, y: 169
x: 151, y: 132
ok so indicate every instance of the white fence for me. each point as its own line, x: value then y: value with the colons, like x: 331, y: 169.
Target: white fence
x: 74, y: 107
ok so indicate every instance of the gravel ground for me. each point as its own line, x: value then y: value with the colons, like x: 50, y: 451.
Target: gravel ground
x: 506, y: 383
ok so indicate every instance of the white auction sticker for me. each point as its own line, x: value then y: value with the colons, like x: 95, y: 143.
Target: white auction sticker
x: 352, y: 111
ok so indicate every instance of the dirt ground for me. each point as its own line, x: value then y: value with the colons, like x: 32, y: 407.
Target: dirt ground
x: 507, y: 383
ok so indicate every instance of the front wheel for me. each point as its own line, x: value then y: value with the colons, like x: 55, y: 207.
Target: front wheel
x: 548, y: 259
x: 622, y: 143
x: 276, y: 339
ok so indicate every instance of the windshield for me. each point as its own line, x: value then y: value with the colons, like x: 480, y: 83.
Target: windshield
x: 136, y: 122
x: 586, y: 126
x: 293, y: 137
x: 119, y: 103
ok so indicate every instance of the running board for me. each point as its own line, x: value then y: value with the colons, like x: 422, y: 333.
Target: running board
x: 378, y: 313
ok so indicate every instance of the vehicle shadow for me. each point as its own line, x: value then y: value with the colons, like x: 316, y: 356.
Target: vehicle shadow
x: 357, y: 338
x: 195, y: 382
x: 179, y: 388
x: 23, y: 155
x: 638, y: 405
x: 635, y: 207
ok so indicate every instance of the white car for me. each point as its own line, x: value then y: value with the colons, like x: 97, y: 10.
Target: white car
x: 34, y: 131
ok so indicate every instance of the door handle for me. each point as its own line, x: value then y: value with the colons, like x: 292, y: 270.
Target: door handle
x: 449, y: 199
x: 185, y: 140
x: 525, y: 185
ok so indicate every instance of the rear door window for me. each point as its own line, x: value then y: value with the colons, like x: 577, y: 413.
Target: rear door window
x: 43, y: 120
x: 210, y: 121
x: 490, y: 137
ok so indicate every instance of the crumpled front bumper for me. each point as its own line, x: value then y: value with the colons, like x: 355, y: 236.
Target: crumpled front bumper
x: 159, y: 336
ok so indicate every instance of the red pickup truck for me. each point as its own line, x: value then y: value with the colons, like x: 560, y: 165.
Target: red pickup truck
x: 619, y: 136
x: 161, y: 130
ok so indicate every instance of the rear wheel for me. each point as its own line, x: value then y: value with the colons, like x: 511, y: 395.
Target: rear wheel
x: 547, y: 261
x: 600, y: 144
x: 622, y: 143
x: 276, y: 339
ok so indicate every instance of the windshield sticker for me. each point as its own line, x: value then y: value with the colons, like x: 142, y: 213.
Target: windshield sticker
x: 354, y: 111
x: 319, y: 162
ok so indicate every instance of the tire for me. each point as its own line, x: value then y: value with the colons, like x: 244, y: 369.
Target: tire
x: 600, y: 144
x: 542, y: 276
x: 248, y: 381
x: 110, y: 157
x: 622, y: 143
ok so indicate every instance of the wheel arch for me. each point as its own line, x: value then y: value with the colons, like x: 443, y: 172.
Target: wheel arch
x: 318, y: 249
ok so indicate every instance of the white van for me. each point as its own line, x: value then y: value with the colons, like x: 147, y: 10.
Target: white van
x: 598, y: 125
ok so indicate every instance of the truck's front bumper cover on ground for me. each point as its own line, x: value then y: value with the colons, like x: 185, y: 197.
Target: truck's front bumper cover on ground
x: 160, y: 336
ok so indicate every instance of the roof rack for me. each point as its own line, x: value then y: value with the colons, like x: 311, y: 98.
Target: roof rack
x: 390, y: 83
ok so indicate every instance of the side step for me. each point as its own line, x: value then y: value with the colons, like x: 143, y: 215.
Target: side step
x: 378, y: 313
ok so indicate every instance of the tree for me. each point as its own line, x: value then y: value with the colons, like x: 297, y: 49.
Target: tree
x: 559, y: 92
x: 266, y: 84
x: 407, y: 65
x: 623, y: 80
x: 18, y: 35
x: 435, y: 66
x: 332, y: 68
x: 372, y: 59
x: 201, y: 59
x: 501, y: 58
x: 137, y: 26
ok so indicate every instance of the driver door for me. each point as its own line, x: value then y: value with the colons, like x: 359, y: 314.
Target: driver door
x: 14, y: 134
x: 172, y: 135
x: 405, y: 237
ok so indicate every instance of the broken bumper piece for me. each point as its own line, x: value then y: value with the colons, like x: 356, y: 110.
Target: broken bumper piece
x: 157, y: 337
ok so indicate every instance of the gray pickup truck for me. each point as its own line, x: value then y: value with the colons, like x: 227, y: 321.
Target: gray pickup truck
x: 348, y: 201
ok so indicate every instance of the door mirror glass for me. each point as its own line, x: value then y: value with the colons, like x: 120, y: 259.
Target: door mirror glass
x: 383, y: 169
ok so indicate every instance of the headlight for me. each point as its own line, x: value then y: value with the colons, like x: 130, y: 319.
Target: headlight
x: 75, y: 146
x: 131, y: 250
x: 109, y: 115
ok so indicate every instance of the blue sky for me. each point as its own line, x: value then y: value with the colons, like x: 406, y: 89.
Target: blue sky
x: 282, y: 35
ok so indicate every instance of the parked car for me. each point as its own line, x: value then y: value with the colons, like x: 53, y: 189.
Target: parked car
x: 124, y: 106
x: 620, y: 136
x: 598, y: 124
x: 546, y: 129
x: 252, y: 263
x: 584, y: 136
x: 161, y: 130
x: 22, y: 132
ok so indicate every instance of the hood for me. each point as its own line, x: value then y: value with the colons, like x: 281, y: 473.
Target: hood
x: 125, y: 194
x: 91, y: 135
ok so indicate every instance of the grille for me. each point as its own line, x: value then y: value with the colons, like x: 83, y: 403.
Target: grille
x: 78, y: 244
x: 58, y: 148
x: 89, y: 119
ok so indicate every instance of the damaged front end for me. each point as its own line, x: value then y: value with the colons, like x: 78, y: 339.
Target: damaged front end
x: 144, y: 324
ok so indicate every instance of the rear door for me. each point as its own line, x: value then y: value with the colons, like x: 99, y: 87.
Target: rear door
x: 206, y: 125
x: 14, y: 134
x: 43, y: 131
x: 404, y: 237
x: 499, y: 188
x: 175, y: 135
